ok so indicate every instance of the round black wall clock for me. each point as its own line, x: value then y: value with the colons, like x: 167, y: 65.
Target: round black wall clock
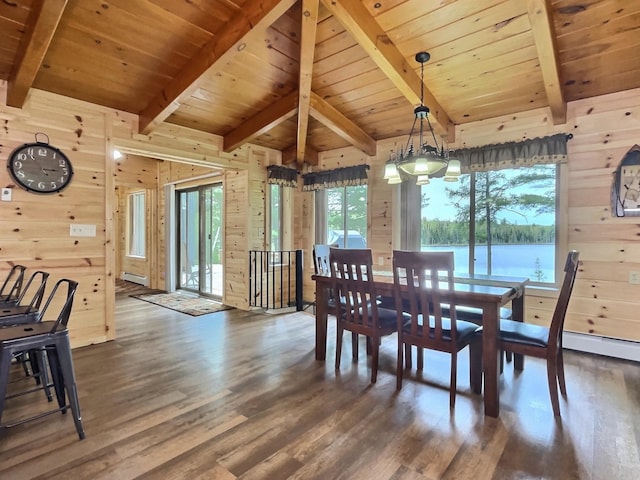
x: 40, y: 168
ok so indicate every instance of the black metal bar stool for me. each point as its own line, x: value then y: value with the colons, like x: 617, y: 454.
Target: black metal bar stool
x: 51, y: 337
x: 22, y: 312
x: 12, y: 285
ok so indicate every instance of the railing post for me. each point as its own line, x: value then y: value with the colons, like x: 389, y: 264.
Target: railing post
x: 298, y: 280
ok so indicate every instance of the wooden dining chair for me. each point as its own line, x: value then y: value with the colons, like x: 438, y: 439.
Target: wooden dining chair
x: 358, y: 311
x: 420, y: 278
x: 544, y: 342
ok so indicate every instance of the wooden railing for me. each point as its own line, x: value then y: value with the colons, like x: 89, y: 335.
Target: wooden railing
x: 275, y: 279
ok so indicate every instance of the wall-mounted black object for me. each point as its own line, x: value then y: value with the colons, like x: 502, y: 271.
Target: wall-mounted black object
x: 625, y: 193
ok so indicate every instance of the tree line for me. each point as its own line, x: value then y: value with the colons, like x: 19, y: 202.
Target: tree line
x: 448, y: 232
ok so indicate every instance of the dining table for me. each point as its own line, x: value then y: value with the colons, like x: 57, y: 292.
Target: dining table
x: 484, y: 292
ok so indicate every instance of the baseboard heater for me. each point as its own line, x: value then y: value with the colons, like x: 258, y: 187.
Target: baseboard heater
x: 132, y: 277
x: 611, y: 347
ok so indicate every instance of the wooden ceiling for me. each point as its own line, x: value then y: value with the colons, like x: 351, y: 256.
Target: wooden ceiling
x: 311, y: 75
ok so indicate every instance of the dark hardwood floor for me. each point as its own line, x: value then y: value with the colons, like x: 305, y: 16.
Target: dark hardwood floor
x: 239, y: 395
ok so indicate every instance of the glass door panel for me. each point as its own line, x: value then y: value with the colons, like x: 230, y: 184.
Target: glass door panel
x: 200, y: 236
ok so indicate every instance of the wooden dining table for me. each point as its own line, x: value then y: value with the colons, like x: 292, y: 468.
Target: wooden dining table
x: 484, y: 292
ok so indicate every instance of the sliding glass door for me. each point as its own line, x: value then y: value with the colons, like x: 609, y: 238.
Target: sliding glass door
x: 200, y: 238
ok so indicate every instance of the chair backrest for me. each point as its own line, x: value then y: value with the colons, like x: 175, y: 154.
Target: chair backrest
x: 12, y: 285
x: 33, y: 291
x: 557, y: 321
x: 67, y: 303
x: 321, y: 259
x: 352, y: 283
x: 424, y: 275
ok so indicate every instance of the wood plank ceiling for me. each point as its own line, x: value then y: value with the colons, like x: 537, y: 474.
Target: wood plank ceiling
x: 311, y: 75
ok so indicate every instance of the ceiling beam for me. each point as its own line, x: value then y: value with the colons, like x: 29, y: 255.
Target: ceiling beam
x: 289, y: 155
x: 38, y: 32
x: 308, y: 27
x: 341, y: 125
x: 546, y: 45
x: 273, y: 115
x: 252, y: 20
x: 355, y: 18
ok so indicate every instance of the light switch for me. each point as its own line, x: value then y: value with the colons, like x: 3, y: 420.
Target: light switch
x: 80, y: 230
x: 6, y: 195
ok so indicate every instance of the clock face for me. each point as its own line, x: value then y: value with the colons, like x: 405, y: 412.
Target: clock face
x: 40, y: 168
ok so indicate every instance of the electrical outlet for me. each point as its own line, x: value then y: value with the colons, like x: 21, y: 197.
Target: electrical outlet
x: 381, y: 261
x: 634, y: 277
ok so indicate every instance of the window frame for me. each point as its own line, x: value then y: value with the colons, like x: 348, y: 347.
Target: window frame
x: 321, y: 217
x: 561, y: 229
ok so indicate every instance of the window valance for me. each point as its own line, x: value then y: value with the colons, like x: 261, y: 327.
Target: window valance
x: 340, y: 177
x: 535, y: 151
x: 279, y: 175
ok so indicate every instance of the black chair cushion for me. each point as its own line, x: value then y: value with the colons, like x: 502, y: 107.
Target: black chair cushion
x: 465, y: 329
x: 387, y: 319
x: 523, y: 333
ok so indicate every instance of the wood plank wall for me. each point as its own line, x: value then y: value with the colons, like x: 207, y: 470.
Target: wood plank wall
x: 35, y: 228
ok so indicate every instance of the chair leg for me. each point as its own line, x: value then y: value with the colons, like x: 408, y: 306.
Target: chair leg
x: 454, y: 376
x: 420, y: 355
x: 408, y: 356
x: 375, y: 349
x: 552, y: 373
x: 66, y: 365
x: 354, y: 347
x: 340, y: 332
x: 518, y: 361
x: 560, y: 367
x: 400, y: 362
x: 5, y: 363
x: 42, y: 371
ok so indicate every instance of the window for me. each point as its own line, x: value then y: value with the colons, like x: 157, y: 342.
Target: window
x: 346, y: 216
x: 137, y: 224
x: 275, y: 217
x: 497, y: 223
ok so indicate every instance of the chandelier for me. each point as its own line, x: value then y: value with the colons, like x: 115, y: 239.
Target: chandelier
x: 426, y: 161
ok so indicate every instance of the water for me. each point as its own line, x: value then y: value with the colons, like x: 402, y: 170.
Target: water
x: 534, y: 261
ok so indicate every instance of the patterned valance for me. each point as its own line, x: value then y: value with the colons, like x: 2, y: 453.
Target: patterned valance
x: 279, y: 175
x: 526, y: 153
x: 340, y: 177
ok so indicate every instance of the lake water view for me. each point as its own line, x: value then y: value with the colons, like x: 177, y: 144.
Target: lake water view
x: 511, y: 260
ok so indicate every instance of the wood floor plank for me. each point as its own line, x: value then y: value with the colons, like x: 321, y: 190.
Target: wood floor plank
x: 239, y: 395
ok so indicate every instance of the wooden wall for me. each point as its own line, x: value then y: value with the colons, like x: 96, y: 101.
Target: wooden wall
x: 133, y: 173
x: 35, y: 228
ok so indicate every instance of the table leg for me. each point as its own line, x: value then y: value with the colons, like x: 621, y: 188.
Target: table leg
x: 517, y: 305
x: 491, y: 316
x: 322, y: 299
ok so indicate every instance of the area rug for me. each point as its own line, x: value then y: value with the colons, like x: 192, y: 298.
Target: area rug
x: 181, y: 302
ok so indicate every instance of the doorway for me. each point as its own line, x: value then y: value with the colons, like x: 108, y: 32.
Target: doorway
x: 200, y: 236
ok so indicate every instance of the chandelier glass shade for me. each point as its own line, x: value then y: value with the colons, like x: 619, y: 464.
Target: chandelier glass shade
x: 426, y: 161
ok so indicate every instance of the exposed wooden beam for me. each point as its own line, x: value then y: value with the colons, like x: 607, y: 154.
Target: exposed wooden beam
x: 338, y: 123
x: 289, y: 155
x: 262, y: 122
x: 308, y: 27
x: 546, y: 45
x: 252, y: 20
x: 39, y: 30
x: 365, y: 30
